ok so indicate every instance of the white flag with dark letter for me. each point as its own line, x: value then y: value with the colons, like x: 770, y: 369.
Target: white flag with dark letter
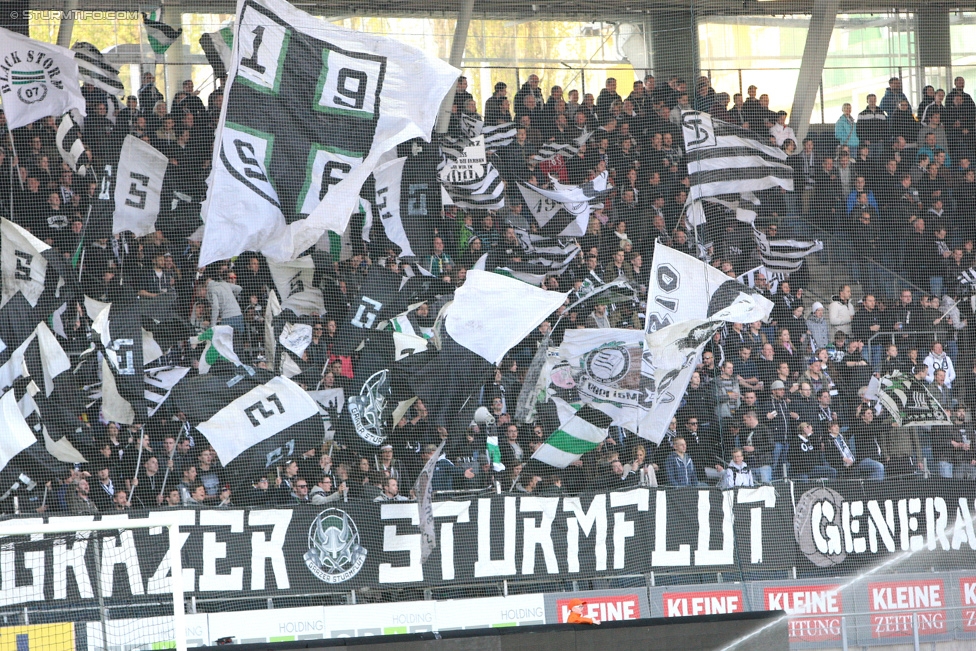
x: 22, y: 263
x: 309, y: 109
x: 259, y: 414
x: 138, y: 186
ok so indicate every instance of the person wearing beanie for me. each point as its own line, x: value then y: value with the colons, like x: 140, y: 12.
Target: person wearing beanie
x: 818, y: 328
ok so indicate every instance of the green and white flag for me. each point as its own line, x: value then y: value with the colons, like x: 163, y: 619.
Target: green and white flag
x: 494, y: 453
x: 908, y: 400
x: 603, y: 367
x: 220, y: 345
x: 159, y: 34
x: 218, y: 46
x: 580, y: 432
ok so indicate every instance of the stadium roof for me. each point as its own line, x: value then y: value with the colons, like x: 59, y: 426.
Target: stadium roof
x: 587, y: 10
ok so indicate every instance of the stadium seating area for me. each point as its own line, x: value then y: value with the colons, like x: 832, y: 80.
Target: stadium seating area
x: 892, y: 198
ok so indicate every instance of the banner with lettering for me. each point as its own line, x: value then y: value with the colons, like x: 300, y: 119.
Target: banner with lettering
x: 757, y: 532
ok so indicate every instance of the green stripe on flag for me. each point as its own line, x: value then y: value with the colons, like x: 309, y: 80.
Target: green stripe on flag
x: 569, y: 443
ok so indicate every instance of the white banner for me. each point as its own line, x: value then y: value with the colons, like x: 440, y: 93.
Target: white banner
x: 138, y: 186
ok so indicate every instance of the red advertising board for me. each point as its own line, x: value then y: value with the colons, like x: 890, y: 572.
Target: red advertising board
x: 967, y: 597
x: 801, y: 603
x: 612, y: 608
x: 706, y: 602
x: 893, y: 603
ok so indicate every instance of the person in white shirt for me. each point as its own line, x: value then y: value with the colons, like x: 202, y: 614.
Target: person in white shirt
x: 938, y: 360
x: 737, y: 472
x: 779, y: 132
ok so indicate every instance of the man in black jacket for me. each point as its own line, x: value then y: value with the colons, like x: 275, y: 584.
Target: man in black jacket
x: 867, y: 322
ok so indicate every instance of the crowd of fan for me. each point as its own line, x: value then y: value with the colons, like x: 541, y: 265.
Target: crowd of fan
x: 774, y: 399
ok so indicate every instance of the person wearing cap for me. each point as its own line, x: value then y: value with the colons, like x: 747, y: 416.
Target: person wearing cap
x: 576, y: 613
x: 818, y: 327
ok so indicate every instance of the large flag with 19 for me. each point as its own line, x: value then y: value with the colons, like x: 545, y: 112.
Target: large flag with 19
x: 309, y: 110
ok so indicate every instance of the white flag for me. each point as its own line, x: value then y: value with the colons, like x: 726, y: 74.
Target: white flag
x: 138, y: 186
x: 684, y: 288
x: 671, y: 356
x: 277, y: 185
x: 69, y: 144
x: 492, y: 313
x: 388, y: 178
x: 259, y: 414
x: 22, y: 264
x: 36, y: 80
x: 602, y: 367
x: 295, y: 282
x: 17, y: 436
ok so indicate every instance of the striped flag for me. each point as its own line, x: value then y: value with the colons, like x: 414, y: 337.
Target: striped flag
x: 160, y: 35
x: 485, y: 192
x: 782, y: 255
x: 565, y: 210
x: 580, y: 432
x: 552, y: 254
x: 95, y: 70
x: 453, y: 144
x: 541, y: 257
x: 726, y: 159
x: 498, y: 136
x: 968, y: 278
x: 550, y: 150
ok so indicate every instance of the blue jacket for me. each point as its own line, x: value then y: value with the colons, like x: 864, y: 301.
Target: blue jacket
x: 845, y: 131
x: 681, y: 472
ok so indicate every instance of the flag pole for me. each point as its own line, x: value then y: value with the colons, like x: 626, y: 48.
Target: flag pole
x: 172, y: 454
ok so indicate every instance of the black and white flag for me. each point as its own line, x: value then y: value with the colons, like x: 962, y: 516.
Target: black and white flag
x: 541, y: 256
x: 551, y: 149
x: 968, y: 278
x: 120, y: 340
x: 17, y: 436
x: 726, y: 159
x: 297, y: 141
x: 70, y: 146
x: 565, y: 210
x: 295, y: 282
x: 138, y: 186
x: 252, y: 423
x: 498, y: 136
x: 486, y: 191
x: 909, y: 401
x: 23, y: 263
x: 389, y: 179
x: 783, y: 255
x: 31, y: 91
x: 95, y: 70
